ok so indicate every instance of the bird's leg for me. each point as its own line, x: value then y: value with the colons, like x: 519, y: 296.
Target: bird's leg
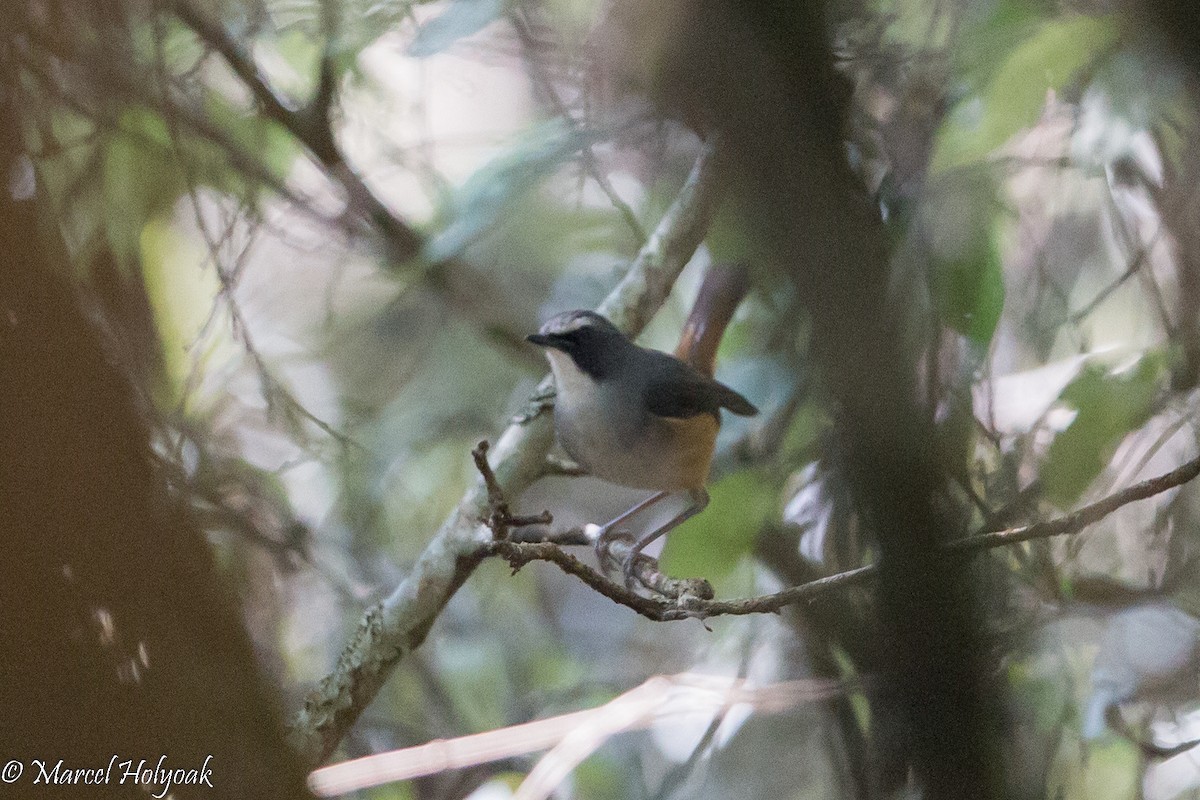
x: 699, y: 503
x: 608, y: 532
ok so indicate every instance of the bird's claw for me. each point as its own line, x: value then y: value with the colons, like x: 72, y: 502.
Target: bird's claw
x: 605, y: 555
x: 627, y: 570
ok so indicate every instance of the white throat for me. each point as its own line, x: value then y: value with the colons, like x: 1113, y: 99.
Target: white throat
x: 573, y: 384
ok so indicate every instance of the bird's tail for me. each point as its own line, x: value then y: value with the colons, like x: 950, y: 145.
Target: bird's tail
x: 735, y: 402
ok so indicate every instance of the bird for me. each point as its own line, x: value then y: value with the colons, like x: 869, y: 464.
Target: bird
x: 633, y: 416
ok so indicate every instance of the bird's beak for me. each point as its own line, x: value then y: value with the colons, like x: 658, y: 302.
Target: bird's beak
x: 541, y: 339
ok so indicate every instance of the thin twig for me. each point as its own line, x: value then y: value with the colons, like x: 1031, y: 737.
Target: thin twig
x: 1135, y: 264
x: 690, y: 605
x: 1081, y: 518
x: 309, y: 125
x: 587, y: 155
x: 500, y: 517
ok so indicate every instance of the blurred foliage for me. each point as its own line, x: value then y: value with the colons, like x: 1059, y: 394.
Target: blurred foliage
x: 712, y: 544
x: 1108, y: 406
x: 324, y: 387
x: 1050, y: 59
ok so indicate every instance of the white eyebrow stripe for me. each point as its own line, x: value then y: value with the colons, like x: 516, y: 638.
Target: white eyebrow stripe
x: 568, y: 322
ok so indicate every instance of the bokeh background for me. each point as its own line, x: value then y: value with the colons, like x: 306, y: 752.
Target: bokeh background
x: 311, y: 236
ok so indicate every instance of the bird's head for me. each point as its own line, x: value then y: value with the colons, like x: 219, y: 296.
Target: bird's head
x: 593, y: 343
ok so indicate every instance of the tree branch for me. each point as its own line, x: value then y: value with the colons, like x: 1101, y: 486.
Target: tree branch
x: 683, y: 602
x: 544, y: 85
x: 313, y: 127
x: 659, y: 697
x: 310, y: 125
x: 399, y: 623
x: 1081, y: 518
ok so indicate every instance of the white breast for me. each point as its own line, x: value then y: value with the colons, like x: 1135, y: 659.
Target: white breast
x: 605, y: 430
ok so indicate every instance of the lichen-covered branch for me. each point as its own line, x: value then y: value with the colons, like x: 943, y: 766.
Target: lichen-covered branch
x: 398, y: 624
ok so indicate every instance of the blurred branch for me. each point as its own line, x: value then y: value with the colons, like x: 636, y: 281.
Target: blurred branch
x: 658, y: 697
x: 310, y: 125
x: 90, y: 531
x: 1149, y: 748
x: 544, y: 85
x: 399, y: 623
x: 240, y: 158
x: 1135, y: 264
x: 1081, y: 518
x: 306, y: 124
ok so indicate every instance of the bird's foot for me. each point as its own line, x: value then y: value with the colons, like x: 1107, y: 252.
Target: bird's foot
x: 632, y: 581
x: 609, y: 537
x: 605, y: 539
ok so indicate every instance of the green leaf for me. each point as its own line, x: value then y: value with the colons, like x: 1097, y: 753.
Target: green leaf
x: 1109, y: 406
x: 274, y: 148
x: 1049, y: 59
x: 968, y: 273
x: 302, y: 53
x: 181, y: 293
x: 711, y: 544
x: 801, y: 440
x: 986, y: 33
x: 1113, y: 767
x: 972, y: 290
x: 486, y: 197
x: 461, y: 19
x: 140, y: 178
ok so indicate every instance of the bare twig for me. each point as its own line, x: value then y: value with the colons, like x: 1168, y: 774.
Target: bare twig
x: 679, y: 599
x: 686, y: 601
x: 1135, y: 264
x: 313, y: 127
x: 566, y: 537
x: 500, y: 517
x: 500, y: 520
x: 1081, y: 518
x: 239, y: 60
x: 544, y: 83
x: 310, y: 125
x: 679, y: 603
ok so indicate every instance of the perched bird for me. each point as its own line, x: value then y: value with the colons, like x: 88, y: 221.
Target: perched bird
x: 632, y: 416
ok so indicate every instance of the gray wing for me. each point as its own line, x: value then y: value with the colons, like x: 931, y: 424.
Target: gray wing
x: 676, y: 390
